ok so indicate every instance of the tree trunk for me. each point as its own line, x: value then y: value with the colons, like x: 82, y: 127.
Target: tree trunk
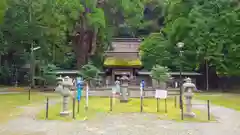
x: 212, y: 76
x: 80, y: 42
x: 94, y: 42
x: 85, y: 39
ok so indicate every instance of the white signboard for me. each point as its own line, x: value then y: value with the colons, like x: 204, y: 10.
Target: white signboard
x: 162, y: 94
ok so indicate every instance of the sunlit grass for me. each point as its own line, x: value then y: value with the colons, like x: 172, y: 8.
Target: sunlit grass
x: 99, y: 107
x: 10, y: 103
x: 222, y: 99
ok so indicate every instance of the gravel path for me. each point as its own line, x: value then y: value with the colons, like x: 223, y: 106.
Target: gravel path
x: 125, y: 124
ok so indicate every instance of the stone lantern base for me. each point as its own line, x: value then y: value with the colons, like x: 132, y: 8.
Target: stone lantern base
x: 190, y: 115
x: 124, y: 95
x: 66, y: 113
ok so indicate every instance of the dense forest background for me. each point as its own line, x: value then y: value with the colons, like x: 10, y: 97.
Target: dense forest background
x: 72, y: 33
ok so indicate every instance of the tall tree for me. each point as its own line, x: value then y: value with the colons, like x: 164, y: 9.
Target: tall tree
x: 209, y: 30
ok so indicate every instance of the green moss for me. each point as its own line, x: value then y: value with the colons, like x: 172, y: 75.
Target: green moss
x: 222, y: 99
x: 10, y: 103
x: 122, y: 62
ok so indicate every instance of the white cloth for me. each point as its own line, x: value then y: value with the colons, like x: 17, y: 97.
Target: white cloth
x: 117, y: 88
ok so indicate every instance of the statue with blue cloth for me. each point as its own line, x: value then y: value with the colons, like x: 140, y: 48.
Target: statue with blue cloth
x: 80, y: 84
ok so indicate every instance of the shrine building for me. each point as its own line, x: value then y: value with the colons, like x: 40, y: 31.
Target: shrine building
x: 124, y: 59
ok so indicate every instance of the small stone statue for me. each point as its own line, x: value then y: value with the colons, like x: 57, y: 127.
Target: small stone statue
x: 188, y: 88
x: 64, y: 86
x: 124, y: 89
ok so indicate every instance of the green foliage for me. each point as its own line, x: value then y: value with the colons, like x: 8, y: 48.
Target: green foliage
x: 160, y: 73
x: 39, y: 23
x: 97, y: 18
x: 154, y: 50
x: 209, y: 30
x: 3, y: 6
x: 124, y: 16
x: 4, y: 73
x: 89, y: 72
x: 48, y: 78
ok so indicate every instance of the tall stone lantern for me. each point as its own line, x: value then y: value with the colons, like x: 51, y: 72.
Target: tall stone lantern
x: 188, y: 88
x: 124, y: 89
x: 64, y: 88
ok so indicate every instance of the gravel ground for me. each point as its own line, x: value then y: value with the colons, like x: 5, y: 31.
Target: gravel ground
x: 124, y: 124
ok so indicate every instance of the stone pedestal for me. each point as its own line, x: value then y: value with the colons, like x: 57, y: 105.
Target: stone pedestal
x: 64, y: 88
x: 124, y: 93
x: 124, y: 89
x: 65, y: 111
x: 188, y: 87
x: 188, y: 98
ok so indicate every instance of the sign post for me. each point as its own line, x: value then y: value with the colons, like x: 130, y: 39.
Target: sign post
x: 161, y: 94
x: 141, y: 95
x: 79, y: 90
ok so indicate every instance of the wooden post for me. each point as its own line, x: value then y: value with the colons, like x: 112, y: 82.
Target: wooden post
x: 175, y: 101
x: 47, y: 104
x: 182, y: 113
x: 78, y: 106
x: 29, y: 93
x: 74, y: 100
x: 165, y: 105
x: 141, y: 104
x: 111, y: 102
x: 208, y: 107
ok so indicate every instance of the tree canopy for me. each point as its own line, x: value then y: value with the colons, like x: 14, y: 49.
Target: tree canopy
x: 71, y: 33
x: 209, y: 29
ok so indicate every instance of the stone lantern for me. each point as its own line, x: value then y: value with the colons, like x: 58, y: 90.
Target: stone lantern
x: 64, y: 86
x: 59, y: 84
x: 124, y: 89
x: 188, y: 88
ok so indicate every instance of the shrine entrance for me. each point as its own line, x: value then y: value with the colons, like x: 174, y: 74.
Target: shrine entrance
x: 117, y: 77
x: 119, y: 74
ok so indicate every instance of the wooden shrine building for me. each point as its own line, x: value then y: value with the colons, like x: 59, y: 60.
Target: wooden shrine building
x: 122, y: 59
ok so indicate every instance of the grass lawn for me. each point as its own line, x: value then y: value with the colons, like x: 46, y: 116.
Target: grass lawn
x: 223, y: 99
x: 99, y: 107
x: 10, y: 103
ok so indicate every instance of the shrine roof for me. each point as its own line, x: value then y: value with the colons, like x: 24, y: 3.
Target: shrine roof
x: 111, y: 61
